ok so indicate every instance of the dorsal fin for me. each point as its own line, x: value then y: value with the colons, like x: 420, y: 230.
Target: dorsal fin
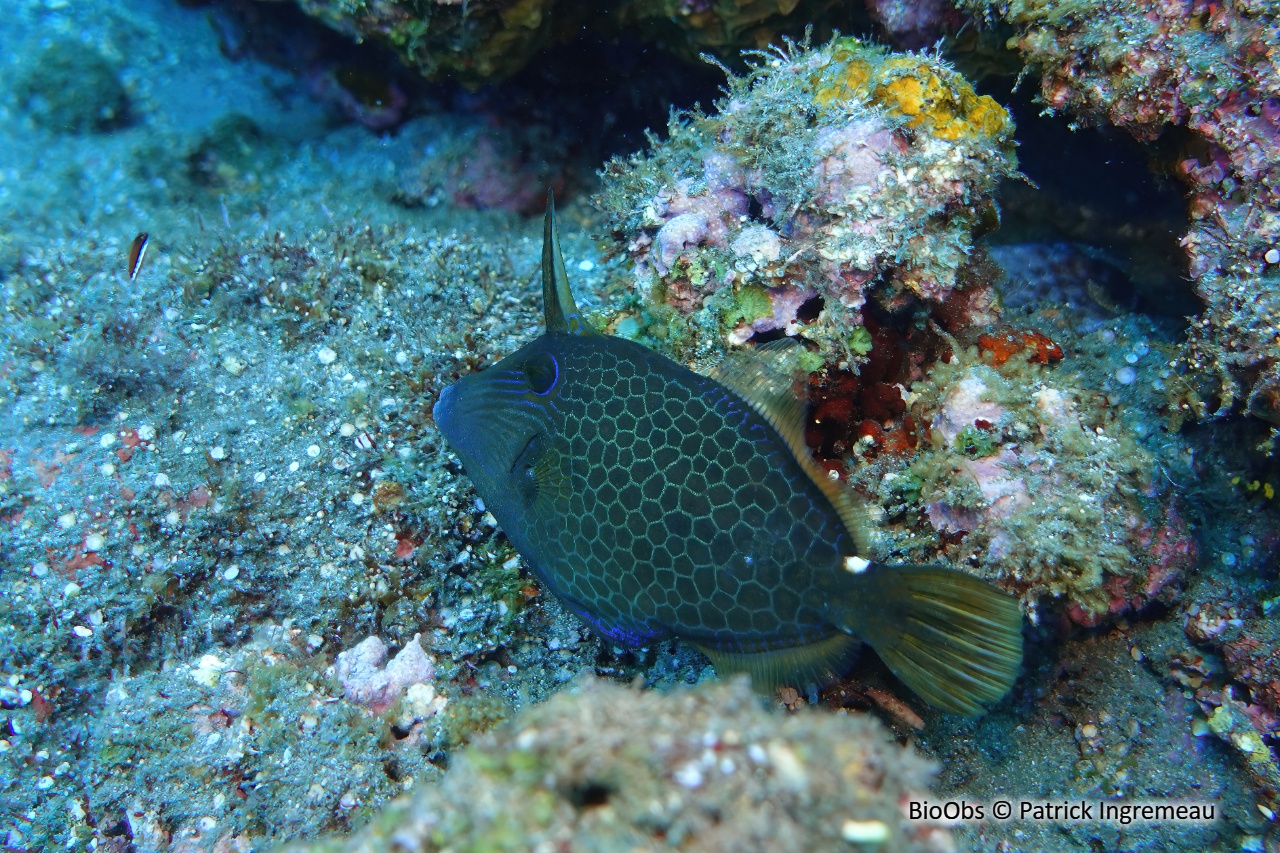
x: 765, y: 378
x: 561, y: 311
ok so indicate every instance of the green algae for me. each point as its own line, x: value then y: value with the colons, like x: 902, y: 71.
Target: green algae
x: 751, y: 302
x: 860, y: 341
x: 976, y: 443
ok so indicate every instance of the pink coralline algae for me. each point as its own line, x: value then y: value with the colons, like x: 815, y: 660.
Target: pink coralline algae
x: 1213, y: 69
x: 1168, y: 554
x: 366, y: 681
x: 682, y: 231
x: 823, y: 171
x: 966, y: 403
x: 1030, y: 480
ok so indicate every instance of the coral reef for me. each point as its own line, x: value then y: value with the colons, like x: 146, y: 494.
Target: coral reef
x: 603, y: 767
x: 825, y: 176
x: 220, y: 477
x: 845, y: 174
x: 1212, y: 70
x: 1014, y: 441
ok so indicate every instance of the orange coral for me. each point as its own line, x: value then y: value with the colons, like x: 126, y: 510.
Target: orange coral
x: 1002, y: 346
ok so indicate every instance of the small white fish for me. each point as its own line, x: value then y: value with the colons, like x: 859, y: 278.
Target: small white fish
x: 137, y: 251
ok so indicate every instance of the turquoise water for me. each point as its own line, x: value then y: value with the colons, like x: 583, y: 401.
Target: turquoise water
x: 220, y: 474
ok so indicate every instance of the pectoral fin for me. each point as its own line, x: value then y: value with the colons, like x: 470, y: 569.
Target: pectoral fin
x: 541, y: 473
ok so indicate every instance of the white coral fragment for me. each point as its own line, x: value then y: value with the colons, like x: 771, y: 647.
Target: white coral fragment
x: 366, y: 682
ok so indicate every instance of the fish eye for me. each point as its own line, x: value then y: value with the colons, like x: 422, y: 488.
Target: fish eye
x: 541, y: 372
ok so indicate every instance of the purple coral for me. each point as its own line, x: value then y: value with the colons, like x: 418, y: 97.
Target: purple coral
x: 677, y: 234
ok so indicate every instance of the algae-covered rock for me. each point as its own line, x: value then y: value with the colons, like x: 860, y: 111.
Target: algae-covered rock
x: 1030, y: 477
x: 604, y: 767
x: 475, y: 41
x: 824, y: 174
x: 74, y: 88
x: 689, y: 28
x: 484, y: 40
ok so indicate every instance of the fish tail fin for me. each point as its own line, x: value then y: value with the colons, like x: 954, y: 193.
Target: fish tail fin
x: 954, y: 639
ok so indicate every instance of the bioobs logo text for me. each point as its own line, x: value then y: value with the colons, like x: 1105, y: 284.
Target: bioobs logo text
x: 1119, y: 811
x: 951, y: 810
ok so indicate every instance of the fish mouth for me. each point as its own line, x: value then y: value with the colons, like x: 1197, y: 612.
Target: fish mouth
x: 476, y: 426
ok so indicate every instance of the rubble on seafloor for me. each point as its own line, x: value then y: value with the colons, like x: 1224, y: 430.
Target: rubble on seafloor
x: 703, y: 768
x: 152, y: 538
x: 259, y: 741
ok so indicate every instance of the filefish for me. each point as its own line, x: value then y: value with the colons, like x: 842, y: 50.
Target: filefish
x: 656, y: 502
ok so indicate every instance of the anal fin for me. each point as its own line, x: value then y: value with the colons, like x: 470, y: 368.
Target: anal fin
x: 818, y: 662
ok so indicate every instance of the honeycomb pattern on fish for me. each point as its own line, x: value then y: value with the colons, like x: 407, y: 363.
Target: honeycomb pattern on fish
x: 685, y: 515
